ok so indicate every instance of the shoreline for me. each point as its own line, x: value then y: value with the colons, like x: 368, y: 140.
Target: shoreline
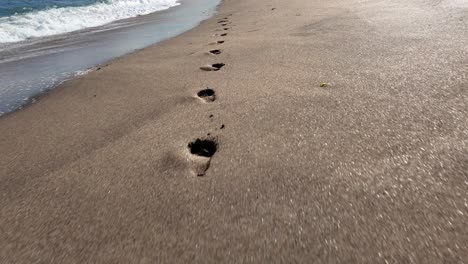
x: 174, y: 154
x: 41, y: 21
x: 50, y: 61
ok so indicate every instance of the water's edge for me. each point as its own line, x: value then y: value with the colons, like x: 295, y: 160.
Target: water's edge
x: 49, y: 21
x: 30, y: 71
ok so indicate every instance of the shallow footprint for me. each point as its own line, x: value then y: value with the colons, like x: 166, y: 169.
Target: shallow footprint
x: 208, y: 95
x: 217, y: 42
x: 212, y: 67
x: 201, y: 151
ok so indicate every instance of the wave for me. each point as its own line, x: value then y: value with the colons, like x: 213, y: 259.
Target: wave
x: 67, y: 19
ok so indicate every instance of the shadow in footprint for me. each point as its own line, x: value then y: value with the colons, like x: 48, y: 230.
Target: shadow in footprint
x: 202, y: 150
x: 213, y: 67
x: 215, y: 52
x: 217, y: 42
x: 218, y: 65
x: 203, y: 147
x: 207, y: 95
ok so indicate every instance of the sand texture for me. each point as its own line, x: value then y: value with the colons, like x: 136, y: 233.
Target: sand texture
x: 334, y: 132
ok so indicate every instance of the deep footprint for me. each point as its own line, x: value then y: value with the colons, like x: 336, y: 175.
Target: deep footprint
x: 203, y: 147
x: 202, y: 150
x: 213, y: 67
x: 207, y: 95
x: 218, y: 65
x: 215, y: 51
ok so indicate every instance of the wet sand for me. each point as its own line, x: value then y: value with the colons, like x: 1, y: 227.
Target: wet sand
x: 334, y: 133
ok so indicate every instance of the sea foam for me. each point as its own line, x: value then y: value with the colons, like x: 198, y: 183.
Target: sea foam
x: 67, y: 19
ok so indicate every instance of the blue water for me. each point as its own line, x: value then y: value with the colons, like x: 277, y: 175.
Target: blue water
x: 23, y: 20
x: 12, y: 7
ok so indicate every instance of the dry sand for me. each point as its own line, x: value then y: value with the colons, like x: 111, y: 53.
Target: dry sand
x: 371, y: 168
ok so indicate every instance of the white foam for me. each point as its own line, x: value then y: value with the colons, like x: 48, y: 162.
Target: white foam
x: 67, y: 19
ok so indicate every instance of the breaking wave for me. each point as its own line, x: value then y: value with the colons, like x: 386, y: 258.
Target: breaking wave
x: 60, y: 20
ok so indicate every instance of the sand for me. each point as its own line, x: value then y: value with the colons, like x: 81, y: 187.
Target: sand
x: 370, y: 168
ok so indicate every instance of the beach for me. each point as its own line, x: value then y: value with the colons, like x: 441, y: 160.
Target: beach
x: 334, y: 132
x: 31, y: 68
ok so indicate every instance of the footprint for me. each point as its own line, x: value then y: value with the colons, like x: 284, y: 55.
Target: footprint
x: 217, y: 42
x: 215, y: 52
x: 225, y: 28
x: 213, y: 67
x: 218, y: 65
x: 208, y: 95
x: 201, y: 151
x: 203, y: 147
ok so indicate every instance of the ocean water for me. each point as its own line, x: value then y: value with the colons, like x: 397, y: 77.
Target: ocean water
x: 26, y: 19
x: 12, y: 7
